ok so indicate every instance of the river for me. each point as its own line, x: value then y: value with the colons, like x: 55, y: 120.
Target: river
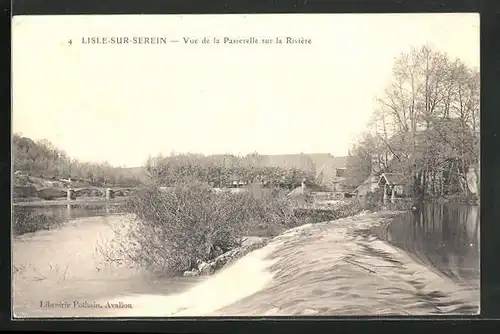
x: 443, y: 237
x: 63, y: 265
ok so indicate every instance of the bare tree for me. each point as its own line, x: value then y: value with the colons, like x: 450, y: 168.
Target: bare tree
x: 427, y: 122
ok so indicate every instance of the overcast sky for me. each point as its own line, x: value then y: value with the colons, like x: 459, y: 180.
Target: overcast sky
x: 120, y: 103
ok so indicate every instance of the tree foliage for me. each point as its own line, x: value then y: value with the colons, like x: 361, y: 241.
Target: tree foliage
x: 222, y: 171
x: 426, y: 125
x: 43, y: 159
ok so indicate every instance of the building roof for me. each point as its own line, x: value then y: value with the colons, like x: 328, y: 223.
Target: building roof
x: 324, y: 163
x: 298, y: 192
x: 393, y: 178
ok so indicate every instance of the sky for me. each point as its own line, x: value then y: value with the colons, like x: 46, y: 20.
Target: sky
x: 121, y: 103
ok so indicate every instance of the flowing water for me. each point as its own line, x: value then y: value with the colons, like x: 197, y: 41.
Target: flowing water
x: 345, y: 268
x: 428, y: 263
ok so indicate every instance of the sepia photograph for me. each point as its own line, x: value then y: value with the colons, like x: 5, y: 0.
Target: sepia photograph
x: 245, y: 165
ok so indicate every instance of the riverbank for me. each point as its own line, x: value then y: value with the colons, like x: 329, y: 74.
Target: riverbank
x: 31, y: 217
x: 77, y: 201
x: 336, y: 268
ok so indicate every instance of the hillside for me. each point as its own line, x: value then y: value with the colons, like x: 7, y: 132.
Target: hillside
x: 39, y: 162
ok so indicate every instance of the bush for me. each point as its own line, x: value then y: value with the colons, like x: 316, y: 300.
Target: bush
x: 341, y: 209
x: 28, y: 221
x: 460, y: 198
x: 373, y: 200
x: 172, y: 229
x: 348, y: 208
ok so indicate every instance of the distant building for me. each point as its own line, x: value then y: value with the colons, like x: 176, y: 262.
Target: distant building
x: 393, y: 185
x: 329, y: 170
x: 338, y: 180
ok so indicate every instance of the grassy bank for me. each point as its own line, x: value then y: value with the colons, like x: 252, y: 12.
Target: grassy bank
x: 27, y: 221
x: 78, y: 201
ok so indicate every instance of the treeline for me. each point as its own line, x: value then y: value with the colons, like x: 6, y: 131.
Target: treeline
x: 43, y: 159
x: 426, y: 127
x: 223, y: 171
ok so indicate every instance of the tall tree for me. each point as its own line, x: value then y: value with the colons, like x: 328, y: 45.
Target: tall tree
x: 427, y: 123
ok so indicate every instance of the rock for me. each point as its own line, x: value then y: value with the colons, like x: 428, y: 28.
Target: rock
x: 247, y: 245
x: 252, y: 242
x: 219, y: 261
x: 206, y: 269
x: 191, y: 273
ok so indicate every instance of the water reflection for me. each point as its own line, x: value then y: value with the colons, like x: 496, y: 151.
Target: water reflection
x: 73, y: 211
x: 444, y: 237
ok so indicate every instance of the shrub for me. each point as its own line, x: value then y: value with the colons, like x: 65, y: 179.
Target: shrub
x: 323, y: 213
x: 399, y: 205
x: 27, y: 221
x: 460, y: 198
x: 171, y: 229
x: 348, y: 208
x: 373, y: 200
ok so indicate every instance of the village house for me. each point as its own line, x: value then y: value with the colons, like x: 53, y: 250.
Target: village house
x: 329, y: 170
x: 370, y: 185
x: 395, y: 185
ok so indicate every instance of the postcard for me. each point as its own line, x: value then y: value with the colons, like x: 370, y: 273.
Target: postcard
x: 245, y: 165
